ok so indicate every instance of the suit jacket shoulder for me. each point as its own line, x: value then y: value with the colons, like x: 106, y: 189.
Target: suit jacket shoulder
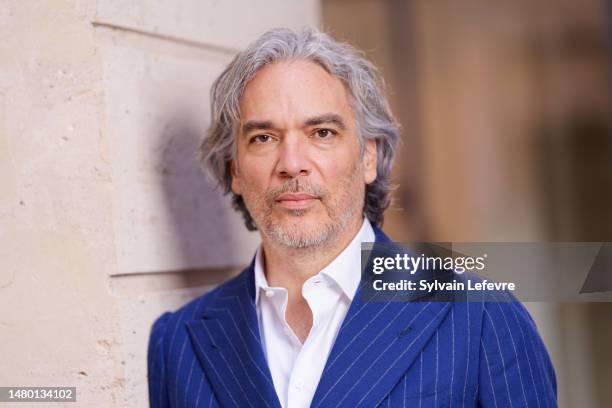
x: 170, y: 353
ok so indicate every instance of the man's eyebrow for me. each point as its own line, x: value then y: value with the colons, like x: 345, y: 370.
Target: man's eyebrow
x: 256, y: 125
x: 326, y: 118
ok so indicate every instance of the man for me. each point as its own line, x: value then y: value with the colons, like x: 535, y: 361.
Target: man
x: 303, y: 138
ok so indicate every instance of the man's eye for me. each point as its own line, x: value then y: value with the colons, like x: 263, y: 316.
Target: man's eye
x: 325, y: 133
x: 260, y: 139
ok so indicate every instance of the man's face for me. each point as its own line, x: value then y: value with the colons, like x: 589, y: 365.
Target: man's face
x: 298, y: 165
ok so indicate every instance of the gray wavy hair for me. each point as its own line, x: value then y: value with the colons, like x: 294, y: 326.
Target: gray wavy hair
x: 365, y: 87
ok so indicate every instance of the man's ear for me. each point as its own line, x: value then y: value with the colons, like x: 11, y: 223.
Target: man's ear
x: 370, y: 161
x: 235, y: 178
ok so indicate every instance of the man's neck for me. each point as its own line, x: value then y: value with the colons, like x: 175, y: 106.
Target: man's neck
x: 291, y: 267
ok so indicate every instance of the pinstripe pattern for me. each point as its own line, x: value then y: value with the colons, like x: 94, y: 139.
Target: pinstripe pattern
x: 393, y: 354
x: 467, y: 366
x: 420, y: 380
x: 437, y: 361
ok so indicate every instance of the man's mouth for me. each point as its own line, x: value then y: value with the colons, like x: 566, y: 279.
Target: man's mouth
x: 296, y: 200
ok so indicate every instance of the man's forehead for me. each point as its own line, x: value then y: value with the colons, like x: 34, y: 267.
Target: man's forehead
x: 298, y: 89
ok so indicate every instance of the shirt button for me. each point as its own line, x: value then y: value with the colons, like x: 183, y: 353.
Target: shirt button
x: 299, y: 384
x: 269, y: 293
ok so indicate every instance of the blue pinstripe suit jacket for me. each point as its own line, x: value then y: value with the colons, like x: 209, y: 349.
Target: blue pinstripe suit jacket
x: 393, y: 354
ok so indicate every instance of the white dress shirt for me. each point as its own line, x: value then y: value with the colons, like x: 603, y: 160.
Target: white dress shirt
x: 295, y: 367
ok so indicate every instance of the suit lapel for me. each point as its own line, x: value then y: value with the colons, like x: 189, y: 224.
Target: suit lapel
x: 227, y: 343
x: 376, y: 344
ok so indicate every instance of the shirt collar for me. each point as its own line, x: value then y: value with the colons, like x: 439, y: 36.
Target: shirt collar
x: 344, y: 270
x: 261, y: 283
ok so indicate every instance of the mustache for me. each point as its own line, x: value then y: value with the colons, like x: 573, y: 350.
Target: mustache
x: 296, y: 186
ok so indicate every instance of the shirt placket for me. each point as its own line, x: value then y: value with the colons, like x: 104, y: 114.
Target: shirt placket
x: 302, y: 383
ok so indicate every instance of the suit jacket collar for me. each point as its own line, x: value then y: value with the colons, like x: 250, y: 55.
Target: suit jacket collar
x: 377, y: 342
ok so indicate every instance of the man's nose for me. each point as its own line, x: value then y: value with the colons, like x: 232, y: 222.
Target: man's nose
x: 293, y: 158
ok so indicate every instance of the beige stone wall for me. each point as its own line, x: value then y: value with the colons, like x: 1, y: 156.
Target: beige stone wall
x: 105, y: 219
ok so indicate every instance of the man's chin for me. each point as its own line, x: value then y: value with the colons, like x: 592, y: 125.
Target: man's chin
x: 299, y: 232
x: 308, y: 219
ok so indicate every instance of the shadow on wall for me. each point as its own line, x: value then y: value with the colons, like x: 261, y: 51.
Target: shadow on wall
x: 204, y: 235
